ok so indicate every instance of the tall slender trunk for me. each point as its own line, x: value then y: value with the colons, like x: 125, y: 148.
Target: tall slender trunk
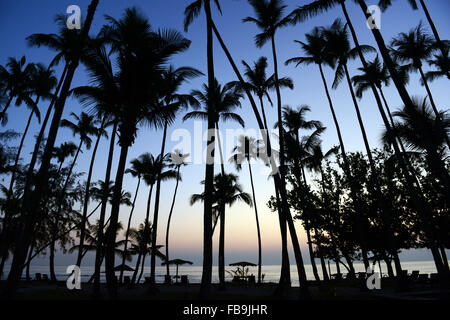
x: 433, y: 28
x: 136, y: 268
x: 416, y: 195
x: 127, y: 233
x: 111, y: 231
x: 257, y: 222
x: 346, y: 170
x: 142, y: 267
x: 205, y: 285
x: 386, y: 214
x: 29, y: 257
x: 322, y: 260
x: 278, y: 183
x: 104, y: 203
x: 170, y: 218
x: 52, y: 259
x: 32, y: 200
x: 221, y: 258
x: 156, y: 211
x: 87, y: 196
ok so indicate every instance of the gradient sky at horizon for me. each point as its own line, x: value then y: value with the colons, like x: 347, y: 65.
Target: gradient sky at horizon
x: 20, y: 18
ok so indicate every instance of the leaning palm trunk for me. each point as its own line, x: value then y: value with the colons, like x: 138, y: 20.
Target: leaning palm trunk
x: 205, y: 286
x: 279, y: 184
x: 104, y: 203
x: 156, y: 210
x: 389, y: 233
x: 420, y: 203
x: 433, y: 28
x: 257, y: 222
x: 170, y: 218
x: 87, y: 195
x: 5, y: 108
x: 31, y: 199
x: 347, y: 171
x: 127, y: 233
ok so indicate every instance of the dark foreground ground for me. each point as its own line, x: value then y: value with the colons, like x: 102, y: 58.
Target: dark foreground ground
x: 331, y: 291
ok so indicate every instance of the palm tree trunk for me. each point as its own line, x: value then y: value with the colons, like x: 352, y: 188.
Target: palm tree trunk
x: 104, y: 203
x: 142, y: 267
x: 136, y: 269
x: 311, y: 251
x: 156, y: 211
x: 444, y: 257
x: 111, y: 231
x: 52, y: 258
x: 347, y: 170
x: 221, y: 260
x: 283, y: 195
x: 128, y: 228
x: 257, y: 223
x: 263, y: 113
x: 433, y: 28
x: 87, y: 195
x: 205, y: 286
x: 416, y: 195
x: 31, y: 201
x: 322, y: 261
x: 170, y: 218
x: 30, y: 253
x: 387, y: 221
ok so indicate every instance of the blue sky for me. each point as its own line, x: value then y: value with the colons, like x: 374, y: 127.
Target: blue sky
x: 21, y: 18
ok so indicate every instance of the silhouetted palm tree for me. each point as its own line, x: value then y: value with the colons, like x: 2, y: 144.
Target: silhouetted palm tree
x: 442, y: 63
x: 259, y: 84
x: 190, y: 13
x: 178, y: 160
x: 32, y: 198
x: 247, y: 149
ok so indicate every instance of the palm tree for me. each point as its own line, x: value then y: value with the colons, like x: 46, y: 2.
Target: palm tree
x: 226, y: 99
x: 384, y: 4
x: 269, y: 18
x: 414, y: 47
x: 294, y: 121
x: 153, y: 171
x: 178, y: 160
x: 442, y: 63
x: 169, y: 98
x: 65, y: 150
x: 227, y: 191
x: 84, y: 127
x: 338, y: 42
x: 422, y: 131
x: 103, y: 98
x: 31, y: 199
x: 259, y: 84
x: 246, y: 150
x: 317, y: 51
x: 190, y: 13
x: 142, y: 54
x: 17, y: 82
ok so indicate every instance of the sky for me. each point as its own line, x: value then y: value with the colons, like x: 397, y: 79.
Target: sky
x: 20, y: 18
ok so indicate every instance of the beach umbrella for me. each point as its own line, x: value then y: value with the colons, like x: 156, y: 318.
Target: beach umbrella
x: 123, y: 267
x: 242, y: 264
x: 176, y: 262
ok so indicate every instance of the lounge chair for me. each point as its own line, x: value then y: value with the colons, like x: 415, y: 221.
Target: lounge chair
x: 45, y: 277
x: 422, y: 279
x: 434, y: 279
x: 251, y: 280
x: 126, y: 280
x: 38, y: 277
x: 415, y: 275
x: 167, y: 279
x: 184, y: 279
x: 147, y: 280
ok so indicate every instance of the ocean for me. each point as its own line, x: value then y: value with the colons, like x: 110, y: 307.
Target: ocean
x: 194, y: 273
